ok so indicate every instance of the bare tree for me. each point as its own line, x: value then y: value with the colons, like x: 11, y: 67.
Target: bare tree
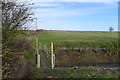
x: 14, y: 17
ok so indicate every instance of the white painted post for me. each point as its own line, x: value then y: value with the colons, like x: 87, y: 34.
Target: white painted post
x: 37, y: 52
x: 52, y: 64
x: 38, y: 61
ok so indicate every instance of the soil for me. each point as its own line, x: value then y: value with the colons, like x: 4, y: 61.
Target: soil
x: 75, y: 58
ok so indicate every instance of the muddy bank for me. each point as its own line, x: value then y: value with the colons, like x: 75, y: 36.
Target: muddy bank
x: 100, y: 66
x: 75, y: 58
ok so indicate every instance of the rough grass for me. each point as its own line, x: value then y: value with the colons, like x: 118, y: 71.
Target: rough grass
x: 22, y: 34
x: 83, y: 36
x: 72, y: 73
x: 30, y: 55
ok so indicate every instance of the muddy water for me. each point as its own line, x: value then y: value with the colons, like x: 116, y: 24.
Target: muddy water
x: 103, y: 66
x: 64, y: 48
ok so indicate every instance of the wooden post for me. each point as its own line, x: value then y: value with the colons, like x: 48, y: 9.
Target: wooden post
x: 37, y: 41
x: 53, y: 60
x: 38, y: 61
x: 44, y: 47
x: 52, y: 63
x: 37, y: 52
x: 37, y: 46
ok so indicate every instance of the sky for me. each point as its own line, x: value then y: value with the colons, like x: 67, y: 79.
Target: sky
x: 78, y: 15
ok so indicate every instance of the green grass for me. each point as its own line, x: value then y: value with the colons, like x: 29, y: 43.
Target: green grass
x: 32, y: 44
x: 22, y: 34
x: 87, y: 36
x: 30, y: 55
x: 72, y: 73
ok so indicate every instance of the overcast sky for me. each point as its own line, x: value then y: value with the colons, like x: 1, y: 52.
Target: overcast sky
x: 85, y: 15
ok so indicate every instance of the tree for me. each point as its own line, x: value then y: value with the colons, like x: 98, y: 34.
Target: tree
x: 111, y: 29
x: 14, y: 16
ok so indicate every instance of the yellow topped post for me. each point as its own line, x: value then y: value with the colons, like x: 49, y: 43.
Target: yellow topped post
x: 36, y: 40
x: 37, y: 46
x: 52, y: 61
x: 51, y: 47
x: 38, y: 55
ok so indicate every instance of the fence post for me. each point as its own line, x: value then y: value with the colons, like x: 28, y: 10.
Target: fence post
x: 52, y: 60
x: 37, y: 41
x: 37, y: 53
x: 44, y: 47
x: 37, y: 46
x: 38, y: 60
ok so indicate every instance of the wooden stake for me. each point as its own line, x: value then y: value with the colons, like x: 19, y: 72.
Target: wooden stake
x: 53, y: 60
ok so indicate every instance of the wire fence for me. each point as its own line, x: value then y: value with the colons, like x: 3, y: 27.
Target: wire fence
x: 47, y: 50
x: 69, y: 53
x: 111, y: 47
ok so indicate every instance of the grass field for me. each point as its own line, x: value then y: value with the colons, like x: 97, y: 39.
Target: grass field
x: 81, y: 36
x: 68, y: 59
